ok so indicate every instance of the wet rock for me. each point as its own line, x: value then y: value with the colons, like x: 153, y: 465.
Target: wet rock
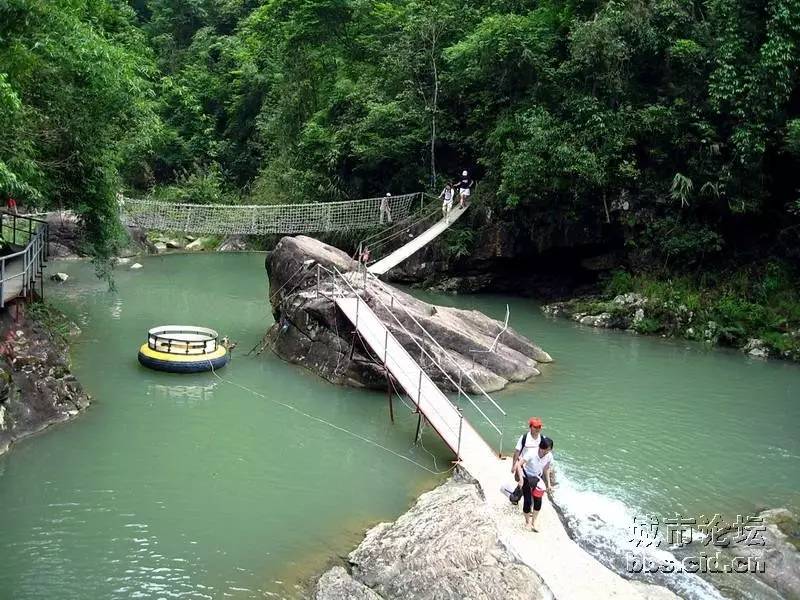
x: 446, y: 546
x: 757, y: 348
x: 160, y: 247
x: 233, y: 243
x: 173, y: 244
x: 471, y: 284
x: 59, y: 277
x: 638, y: 316
x: 310, y: 330
x: 201, y: 243
x: 779, y: 554
x: 601, y: 320
x: 629, y: 300
x: 337, y: 584
x: 135, y: 266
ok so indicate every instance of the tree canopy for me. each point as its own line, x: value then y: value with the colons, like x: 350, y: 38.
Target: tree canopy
x: 668, y: 127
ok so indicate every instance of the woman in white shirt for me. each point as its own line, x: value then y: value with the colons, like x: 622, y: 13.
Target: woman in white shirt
x: 533, y: 469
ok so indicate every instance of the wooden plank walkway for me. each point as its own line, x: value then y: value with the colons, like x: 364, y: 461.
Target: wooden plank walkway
x: 568, y: 570
x: 395, y: 258
x: 443, y: 416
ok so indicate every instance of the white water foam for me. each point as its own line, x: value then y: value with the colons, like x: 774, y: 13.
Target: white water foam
x: 603, y: 526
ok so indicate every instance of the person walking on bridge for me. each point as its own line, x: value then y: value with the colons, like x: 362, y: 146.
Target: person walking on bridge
x: 464, y: 187
x: 447, y: 200
x: 385, y: 211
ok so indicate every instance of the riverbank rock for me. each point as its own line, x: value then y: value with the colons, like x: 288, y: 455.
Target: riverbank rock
x: 780, y: 553
x: 757, y: 348
x: 37, y: 388
x: 233, y: 243
x: 311, y: 331
x: 446, y: 546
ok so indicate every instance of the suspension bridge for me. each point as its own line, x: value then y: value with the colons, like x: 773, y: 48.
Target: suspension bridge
x: 263, y: 219
x: 551, y: 553
x: 23, y: 267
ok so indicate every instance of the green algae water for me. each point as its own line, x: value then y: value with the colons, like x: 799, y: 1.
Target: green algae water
x: 244, y: 485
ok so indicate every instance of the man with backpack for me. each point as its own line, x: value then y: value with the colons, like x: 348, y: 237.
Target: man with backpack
x: 528, y: 441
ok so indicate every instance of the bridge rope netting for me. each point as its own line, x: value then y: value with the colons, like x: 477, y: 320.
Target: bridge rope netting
x: 260, y: 219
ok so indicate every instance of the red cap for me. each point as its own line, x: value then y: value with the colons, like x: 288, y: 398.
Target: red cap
x: 535, y: 422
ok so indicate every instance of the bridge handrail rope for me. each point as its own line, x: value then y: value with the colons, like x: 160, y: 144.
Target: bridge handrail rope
x: 434, y: 360
x: 392, y: 236
x: 399, y: 226
x: 354, y: 292
x: 421, y: 372
x: 397, y: 222
x: 439, y: 346
x: 33, y: 255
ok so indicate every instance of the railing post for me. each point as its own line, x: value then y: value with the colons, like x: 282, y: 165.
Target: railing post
x: 385, y: 346
x: 460, y: 427
x: 318, y: 280
x: 24, y: 273
x: 2, y: 282
x: 419, y: 387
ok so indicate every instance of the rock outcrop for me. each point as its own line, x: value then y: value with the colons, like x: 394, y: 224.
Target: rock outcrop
x: 446, y: 546
x: 780, y: 553
x: 310, y: 330
x: 37, y: 388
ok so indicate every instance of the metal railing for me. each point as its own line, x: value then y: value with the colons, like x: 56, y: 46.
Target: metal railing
x: 424, y: 352
x: 18, y: 230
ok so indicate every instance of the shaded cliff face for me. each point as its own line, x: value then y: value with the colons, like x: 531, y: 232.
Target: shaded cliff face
x: 311, y: 331
x: 37, y: 388
x: 483, y: 253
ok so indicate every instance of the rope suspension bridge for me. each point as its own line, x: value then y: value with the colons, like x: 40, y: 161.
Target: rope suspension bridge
x: 262, y: 219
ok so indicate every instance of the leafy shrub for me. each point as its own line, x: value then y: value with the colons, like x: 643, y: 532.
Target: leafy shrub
x: 648, y: 326
x: 620, y: 282
x: 459, y: 242
x: 199, y: 186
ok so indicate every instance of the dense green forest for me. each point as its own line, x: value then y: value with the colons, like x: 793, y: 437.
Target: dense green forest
x: 667, y: 129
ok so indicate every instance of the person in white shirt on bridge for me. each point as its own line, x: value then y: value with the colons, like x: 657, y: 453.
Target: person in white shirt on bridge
x: 385, y: 211
x: 447, y: 199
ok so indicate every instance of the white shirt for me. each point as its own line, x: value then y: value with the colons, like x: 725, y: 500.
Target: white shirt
x: 535, y: 465
x: 530, y: 442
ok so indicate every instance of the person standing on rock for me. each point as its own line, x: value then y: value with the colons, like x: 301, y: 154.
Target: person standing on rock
x: 533, y: 469
x: 385, y: 210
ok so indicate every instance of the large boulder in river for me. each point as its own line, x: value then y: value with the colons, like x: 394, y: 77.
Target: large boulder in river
x: 310, y: 330
x: 447, y: 546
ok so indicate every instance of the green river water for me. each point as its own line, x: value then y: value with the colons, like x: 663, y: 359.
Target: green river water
x: 187, y: 486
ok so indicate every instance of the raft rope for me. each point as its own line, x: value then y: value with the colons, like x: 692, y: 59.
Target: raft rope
x: 332, y: 425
